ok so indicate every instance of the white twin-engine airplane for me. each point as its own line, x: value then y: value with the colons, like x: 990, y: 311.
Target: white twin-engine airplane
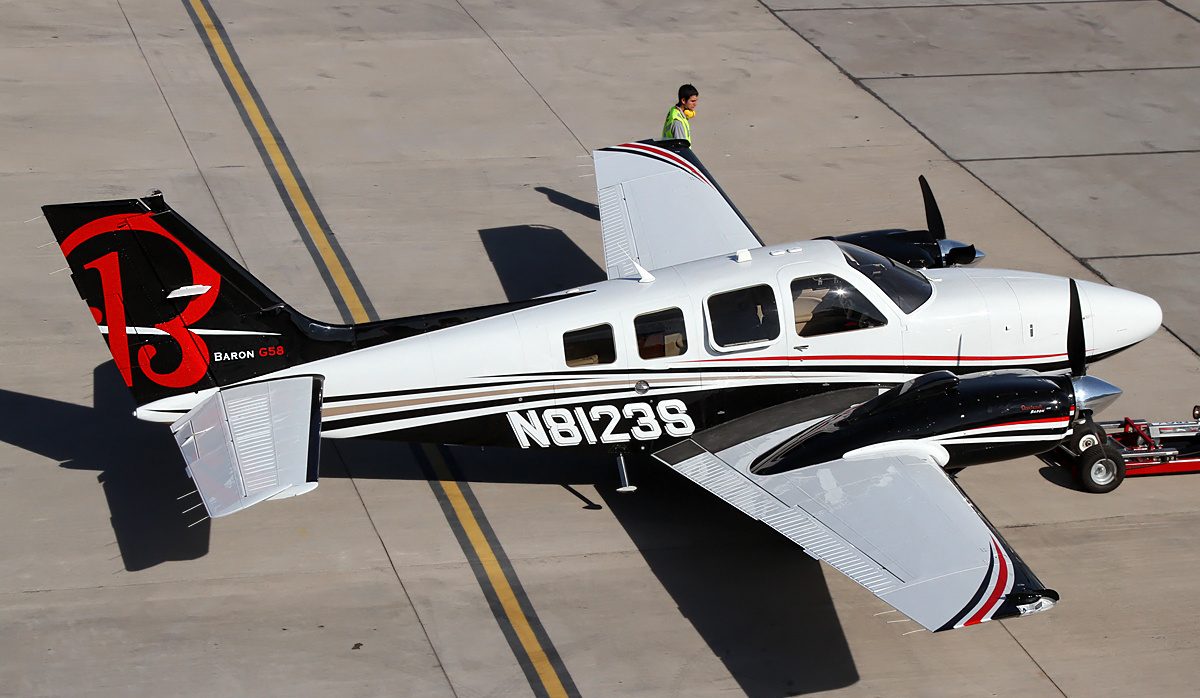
x: 822, y: 387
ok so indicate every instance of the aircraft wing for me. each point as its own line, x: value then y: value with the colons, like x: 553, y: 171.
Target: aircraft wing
x: 887, y: 516
x: 660, y: 207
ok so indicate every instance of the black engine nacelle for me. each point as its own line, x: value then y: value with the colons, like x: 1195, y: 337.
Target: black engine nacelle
x: 919, y: 249
x: 980, y: 418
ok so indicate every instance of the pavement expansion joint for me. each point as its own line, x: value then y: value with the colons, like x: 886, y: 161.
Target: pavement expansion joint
x: 1018, y: 73
x: 1064, y: 156
x: 1148, y: 254
x: 951, y: 5
x: 202, y: 580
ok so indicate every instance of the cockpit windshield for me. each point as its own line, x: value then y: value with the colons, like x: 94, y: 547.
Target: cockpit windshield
x: 907, y: 288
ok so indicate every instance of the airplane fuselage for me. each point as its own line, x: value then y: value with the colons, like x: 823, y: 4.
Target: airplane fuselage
x: 631, y: 363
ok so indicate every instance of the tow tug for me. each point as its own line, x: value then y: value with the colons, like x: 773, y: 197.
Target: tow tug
x: 1103, y: 456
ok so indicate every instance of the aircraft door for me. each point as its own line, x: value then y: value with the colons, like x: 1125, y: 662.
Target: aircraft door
x: 838, y: 329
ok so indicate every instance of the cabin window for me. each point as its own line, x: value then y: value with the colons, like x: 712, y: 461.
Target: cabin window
x: 590, y: 346
x: 827, y: 304
x: 660, y: 334
x: 745, y: 316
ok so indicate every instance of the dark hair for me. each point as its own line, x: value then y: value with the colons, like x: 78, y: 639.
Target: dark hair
x: 686, y: 92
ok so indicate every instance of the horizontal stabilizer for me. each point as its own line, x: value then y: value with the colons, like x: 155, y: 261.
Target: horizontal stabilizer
x: 253, y: 442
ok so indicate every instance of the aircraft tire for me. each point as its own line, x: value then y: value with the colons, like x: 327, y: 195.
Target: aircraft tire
x: 1101, y: 469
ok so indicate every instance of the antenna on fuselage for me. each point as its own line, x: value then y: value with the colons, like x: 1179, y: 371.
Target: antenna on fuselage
x: 623, y: 475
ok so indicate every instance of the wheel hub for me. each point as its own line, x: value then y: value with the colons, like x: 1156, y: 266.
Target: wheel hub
x: 1104, y: 471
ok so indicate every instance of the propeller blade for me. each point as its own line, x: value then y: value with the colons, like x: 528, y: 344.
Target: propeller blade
x: 1076, y: 347
x: 933, y: 216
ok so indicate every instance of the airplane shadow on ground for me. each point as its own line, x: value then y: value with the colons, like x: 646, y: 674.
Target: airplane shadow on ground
x: 1058, y: 470
x: 138, y: 463
x: 583, y: 208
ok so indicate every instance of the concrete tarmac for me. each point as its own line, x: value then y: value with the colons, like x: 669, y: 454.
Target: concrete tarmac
x: 447, y: 144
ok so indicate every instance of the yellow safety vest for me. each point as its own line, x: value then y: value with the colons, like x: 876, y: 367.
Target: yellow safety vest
x: 676, y: 114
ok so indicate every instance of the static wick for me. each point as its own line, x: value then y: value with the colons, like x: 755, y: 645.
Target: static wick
x: 200, y: 521
x: 57, y: 270
x: 902, y: 620
x: 46, y: 244
x: 884, y: 613
x: 910, y: 632
x: 34, y: 219
x: 190, y: 508
x: 185, y: 495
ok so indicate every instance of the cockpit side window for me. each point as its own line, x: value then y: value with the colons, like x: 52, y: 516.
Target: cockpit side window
x: 744, y: 316
x: 827, y: 304
x: 661, y: 334
x: 590, y: 346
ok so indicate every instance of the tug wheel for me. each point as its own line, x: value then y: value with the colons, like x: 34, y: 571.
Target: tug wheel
x: 1101, y: 469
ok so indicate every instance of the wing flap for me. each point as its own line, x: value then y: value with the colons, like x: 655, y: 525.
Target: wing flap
x: 889, y: 518
x: 249, y: 443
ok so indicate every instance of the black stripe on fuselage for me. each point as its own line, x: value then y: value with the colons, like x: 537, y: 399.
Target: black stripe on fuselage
x: 402, y: 414
x: 782, y: 369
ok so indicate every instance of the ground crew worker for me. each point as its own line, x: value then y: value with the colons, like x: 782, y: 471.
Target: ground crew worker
x: 677, y: 124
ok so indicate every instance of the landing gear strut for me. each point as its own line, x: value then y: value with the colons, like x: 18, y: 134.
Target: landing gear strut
x: 1085, y: 435
x: 623, y: 475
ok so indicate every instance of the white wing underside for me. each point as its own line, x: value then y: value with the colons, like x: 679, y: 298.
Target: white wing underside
x: 888, y: 517
x: 659, y: 209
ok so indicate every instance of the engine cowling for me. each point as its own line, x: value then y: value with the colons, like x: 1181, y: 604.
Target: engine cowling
x: 978, y: 419
x: 918, y: 249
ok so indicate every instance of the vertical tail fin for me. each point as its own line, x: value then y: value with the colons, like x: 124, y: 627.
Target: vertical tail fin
x: 178, y: 313
x: 181, y: 316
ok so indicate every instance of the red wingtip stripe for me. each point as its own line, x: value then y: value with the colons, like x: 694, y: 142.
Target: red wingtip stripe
x: 670, y: 157
x: 993, y: 600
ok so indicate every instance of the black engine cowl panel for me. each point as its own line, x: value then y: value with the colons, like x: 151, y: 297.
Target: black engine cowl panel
x: 979, y: 418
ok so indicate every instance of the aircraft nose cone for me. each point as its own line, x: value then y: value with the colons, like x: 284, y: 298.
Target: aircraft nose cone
x: 1119, y: 318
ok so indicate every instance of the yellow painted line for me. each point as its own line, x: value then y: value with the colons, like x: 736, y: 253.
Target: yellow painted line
x: 482, y: 548
x: 508, y: 599
x: 290, y: 183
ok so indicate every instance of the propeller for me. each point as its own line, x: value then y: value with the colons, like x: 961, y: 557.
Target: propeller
x: 953, y: 253
x: 918, y: 248
x: 933, y: 215
x: 1091, y: 393
x: 1076, y: 343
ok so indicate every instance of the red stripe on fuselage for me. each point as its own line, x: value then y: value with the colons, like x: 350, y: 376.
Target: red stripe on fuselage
x: 878, y: 357
x: 1045, y: 420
